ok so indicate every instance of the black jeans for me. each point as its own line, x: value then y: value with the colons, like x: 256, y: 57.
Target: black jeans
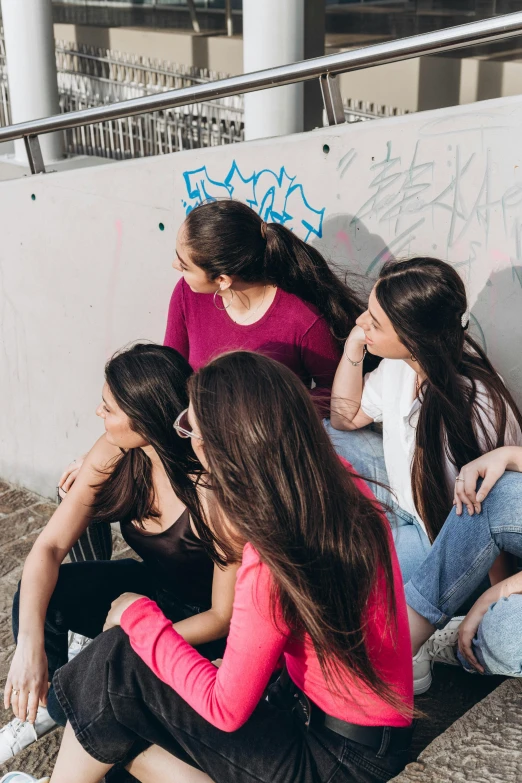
x: 81, y: 601
x: 118, y: 707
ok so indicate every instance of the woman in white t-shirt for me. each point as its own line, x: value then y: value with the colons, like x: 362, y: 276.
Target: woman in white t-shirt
x: 440, y: 401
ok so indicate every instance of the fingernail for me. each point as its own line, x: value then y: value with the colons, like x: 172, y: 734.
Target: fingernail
x: 480, y: 497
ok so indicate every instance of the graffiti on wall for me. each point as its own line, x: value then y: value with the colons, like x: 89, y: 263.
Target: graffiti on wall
x: 405, y: 194
x: 454, y: 196
x: 276, y: 196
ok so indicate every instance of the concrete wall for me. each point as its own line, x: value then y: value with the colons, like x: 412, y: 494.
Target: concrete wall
x: 215, y: 52
x: 433, y: 82
x: 413, y: 85
x: 85, y: 267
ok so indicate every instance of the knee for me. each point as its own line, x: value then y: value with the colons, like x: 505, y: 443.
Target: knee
x: 110, y: 643
x: 498, y: 637
x: 507, y: 491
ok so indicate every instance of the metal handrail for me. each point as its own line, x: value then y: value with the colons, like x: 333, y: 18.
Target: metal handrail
x: 326, y: 68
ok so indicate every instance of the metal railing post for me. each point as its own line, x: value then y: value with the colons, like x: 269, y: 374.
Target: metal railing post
x: 446, y: 40
x: 193, y: 16
x: 34, y: 154
x: 332, y: 99
x: 229, y: 19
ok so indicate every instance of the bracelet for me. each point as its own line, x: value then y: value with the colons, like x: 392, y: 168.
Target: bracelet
x: 354, y: 364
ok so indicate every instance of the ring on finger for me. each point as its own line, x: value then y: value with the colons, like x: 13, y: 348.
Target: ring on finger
x: 15, y: 692
x: 459, y: 479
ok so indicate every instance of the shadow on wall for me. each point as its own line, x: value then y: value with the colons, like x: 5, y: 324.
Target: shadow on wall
x: 200, y: 55
x: 496, y: 323
x: 444, y: 81
x: 489, y: 79
x: 353, y: 250
x: 439, y: 82
x: 93, y: 36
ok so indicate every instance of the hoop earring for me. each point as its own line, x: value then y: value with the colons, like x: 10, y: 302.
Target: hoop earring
x: 226, y: 306
x: 413, y: 358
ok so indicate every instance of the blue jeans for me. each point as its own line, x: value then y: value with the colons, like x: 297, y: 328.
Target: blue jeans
x: 364, y: 450
x: 458, y: 562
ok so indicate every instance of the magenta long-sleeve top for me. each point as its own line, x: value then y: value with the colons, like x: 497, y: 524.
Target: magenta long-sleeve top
x: 291, y: 331
x: 226, y: 697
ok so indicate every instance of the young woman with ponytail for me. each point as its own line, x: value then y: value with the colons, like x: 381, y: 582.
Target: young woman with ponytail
x: 250, y: 285
x: 137, y: 473
x: 440, y: 401
x: 253, y: 285
x: 319, y: 588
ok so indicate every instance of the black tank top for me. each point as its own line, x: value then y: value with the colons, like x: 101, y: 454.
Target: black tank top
x: 177, y: 560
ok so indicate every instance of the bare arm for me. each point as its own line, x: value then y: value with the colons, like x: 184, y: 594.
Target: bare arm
x: 28, y: 672
x: 69, y: 476
x: 346, y: 413
x: 201, y: 628
x: 214, y: 623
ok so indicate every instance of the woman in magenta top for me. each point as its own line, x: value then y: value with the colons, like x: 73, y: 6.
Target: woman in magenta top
x: 319, y: 590
x: 250, y: 285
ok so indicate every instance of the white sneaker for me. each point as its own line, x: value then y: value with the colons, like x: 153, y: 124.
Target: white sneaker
x: 77, y: 643
x: 422, y: 676
x: 22, y: 777
x: 441, y: 647
x: 18, y: 734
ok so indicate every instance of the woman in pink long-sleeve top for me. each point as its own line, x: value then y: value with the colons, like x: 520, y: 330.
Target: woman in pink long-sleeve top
x: 319, y: 589
x: 251, y: 285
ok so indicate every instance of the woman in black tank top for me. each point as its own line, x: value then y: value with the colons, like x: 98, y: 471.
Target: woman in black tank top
x: 136, y: 473
x: 180, y: 564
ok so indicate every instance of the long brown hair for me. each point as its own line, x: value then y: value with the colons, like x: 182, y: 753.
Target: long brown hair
x: 225, y: 238
x: 425, y: 299
x: 149, y: 383
x: 279, y: 483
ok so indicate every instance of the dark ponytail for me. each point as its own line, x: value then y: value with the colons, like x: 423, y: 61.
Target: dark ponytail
x: 229, y: 238
x: 466, y: 409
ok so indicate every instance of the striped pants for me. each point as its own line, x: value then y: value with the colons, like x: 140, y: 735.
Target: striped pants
x: 94, y: 544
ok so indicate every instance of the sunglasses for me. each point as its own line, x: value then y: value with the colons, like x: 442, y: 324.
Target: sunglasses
x: 182, y: 426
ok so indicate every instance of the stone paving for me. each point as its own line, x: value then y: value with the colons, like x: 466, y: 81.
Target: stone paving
x: 484, y: 746
x: 22, y: 516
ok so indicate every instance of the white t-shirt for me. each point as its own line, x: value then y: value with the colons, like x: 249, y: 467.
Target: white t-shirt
x: 389, y: 397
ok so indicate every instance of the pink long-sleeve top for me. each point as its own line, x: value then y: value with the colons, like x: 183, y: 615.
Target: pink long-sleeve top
x: 226, y: 697
x: 291, y: 331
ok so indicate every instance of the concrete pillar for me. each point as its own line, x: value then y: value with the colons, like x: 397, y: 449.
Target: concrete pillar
x: 31, y: 69
x: 273, y: 34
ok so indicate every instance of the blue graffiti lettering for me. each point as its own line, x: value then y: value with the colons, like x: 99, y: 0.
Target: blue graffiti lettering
x: 276, y: 197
